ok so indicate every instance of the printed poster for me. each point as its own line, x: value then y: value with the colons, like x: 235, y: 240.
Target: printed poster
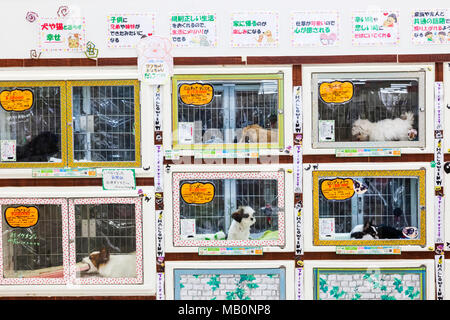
x: 125, y: 30
x: 62, y: 34
x: 375, y: 28
x: 192, y: 30
x: 315, y: 28
x: 431, y: 27
x: 254, y: 29
x: 155, y: 60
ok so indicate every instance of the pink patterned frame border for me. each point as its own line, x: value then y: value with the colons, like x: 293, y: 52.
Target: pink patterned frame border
x: 178, y: 176
x: 65, y: 242
x: 139, y: 251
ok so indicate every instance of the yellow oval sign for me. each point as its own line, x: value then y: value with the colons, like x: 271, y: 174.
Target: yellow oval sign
x: 22, y: 217
x: 336, y: 92
x: 16, y: 100
x: 196, y: 94
x: 337, y: 189
x: 197, y: 192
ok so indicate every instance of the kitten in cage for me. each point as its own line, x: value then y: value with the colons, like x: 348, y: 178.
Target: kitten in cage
x: 398, y: 129
x: 243, y: 219
x: 111, y: 265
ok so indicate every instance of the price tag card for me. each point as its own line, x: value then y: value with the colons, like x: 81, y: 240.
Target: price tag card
x: 368, y: 152
x: 81, y: 172
x: 234, y: 251
x: 367, y: 250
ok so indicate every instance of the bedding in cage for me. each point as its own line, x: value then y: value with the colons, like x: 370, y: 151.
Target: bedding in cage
x: 369, y: 207
x: 240, y: 111
x: 201, y: 219
x: 367, y: 109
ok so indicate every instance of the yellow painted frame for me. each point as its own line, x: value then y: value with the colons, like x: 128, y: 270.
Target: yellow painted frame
x: 137, y: 124
x: 63, y: 115
x: 370, y: 173
x: 228, y: 146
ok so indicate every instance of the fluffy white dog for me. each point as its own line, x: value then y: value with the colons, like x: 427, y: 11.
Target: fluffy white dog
x: 243, y: 219
x: 398, y: 129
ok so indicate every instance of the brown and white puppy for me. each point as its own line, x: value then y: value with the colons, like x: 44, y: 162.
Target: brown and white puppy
x: 243, y: 219
x: 111, y: 266
x: 256, y: 133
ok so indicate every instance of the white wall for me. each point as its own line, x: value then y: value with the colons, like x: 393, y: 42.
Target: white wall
x: 18, y: 36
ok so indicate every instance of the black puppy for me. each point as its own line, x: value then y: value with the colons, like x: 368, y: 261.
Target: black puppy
x: 376, y: 232
x: 39, y: 149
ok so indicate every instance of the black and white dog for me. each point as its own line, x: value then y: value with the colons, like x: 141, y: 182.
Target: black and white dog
x: 243, y: 219
x: 368, y: 231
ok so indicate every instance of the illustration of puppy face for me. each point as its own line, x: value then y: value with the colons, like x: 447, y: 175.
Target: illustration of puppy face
x: 359, y: 131
x: 359, y: 187
x: 95, y: 259
x: 410, y: 232
x: 245, y: 216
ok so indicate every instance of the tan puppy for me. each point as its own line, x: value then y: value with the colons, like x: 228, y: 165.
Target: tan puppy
x: 256, y: 133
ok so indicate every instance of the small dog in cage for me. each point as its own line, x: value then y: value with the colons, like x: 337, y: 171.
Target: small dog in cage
x: 398, y: 129
x: 111, y: 265
x: 368, y: 231
x: 243, y: 219
x: 255, y: 133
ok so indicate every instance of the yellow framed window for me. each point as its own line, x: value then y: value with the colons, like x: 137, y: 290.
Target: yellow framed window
x: 105, y: 123
x: 228, y: 111
x: 369, y: 207
x: 32, y: 124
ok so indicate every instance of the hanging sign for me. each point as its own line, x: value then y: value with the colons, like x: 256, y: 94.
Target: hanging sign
x: 299, y: 229
x: 159, y: 234
x: 62, y: 34
x: 16, y: 100
x: 315, y: 28
x: 298, y: 165
x: 196, y: 94
x: 298, y: 118
x: 337, y: 189
x: 159, y: 168
x: 160, y: 286
x: 192, y: 30
x: 254, y: 29
x: 197, y: 192
x: 158, y: 109
x: 126, y: 29
x: 439, y: 277
x: 22, y: 217
x: 118, y: 179
x: 336, y: 91
x: 375, y: 28
x: 299, y: 276
x: 155, y: 60
x: 430, y: 27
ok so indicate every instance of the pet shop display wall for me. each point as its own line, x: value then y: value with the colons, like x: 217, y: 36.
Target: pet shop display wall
x: 286, y: 164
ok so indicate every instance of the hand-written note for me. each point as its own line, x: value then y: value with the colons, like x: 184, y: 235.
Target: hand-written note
x: 22, y: 217
x: 336, y: 92
x: 337, y: 189
x: 16, y: 100
x: 197, y: 192
x: 23, y: 238
x: 196, y: 94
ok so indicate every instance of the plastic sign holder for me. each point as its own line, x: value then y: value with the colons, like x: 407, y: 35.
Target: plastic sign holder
x: 368, y: 250
x: 230, y: 251
x: 368, y: 152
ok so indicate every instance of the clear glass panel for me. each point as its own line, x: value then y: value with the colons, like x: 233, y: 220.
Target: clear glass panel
x: 35, y: 251
x: 388, y: 205
x: 240, y: 112
x: 380, y: 110
x: 35, y: 132
x: 105, y: 240
x: 213, y: 219
x: 103, y: 123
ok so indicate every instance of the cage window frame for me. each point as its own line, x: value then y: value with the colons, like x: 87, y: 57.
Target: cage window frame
x: 137, y: 125
x: 316, y: 76
x: 65, y: 242
x: 176, y: 200
x: 204, y: 78
x: 137, y: 201
x: 63, y: 123
x: 419, y: 173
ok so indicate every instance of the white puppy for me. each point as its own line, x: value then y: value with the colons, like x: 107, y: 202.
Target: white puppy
x: 398, y: 129
x: 111, y: 266
x: 243, y: 219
